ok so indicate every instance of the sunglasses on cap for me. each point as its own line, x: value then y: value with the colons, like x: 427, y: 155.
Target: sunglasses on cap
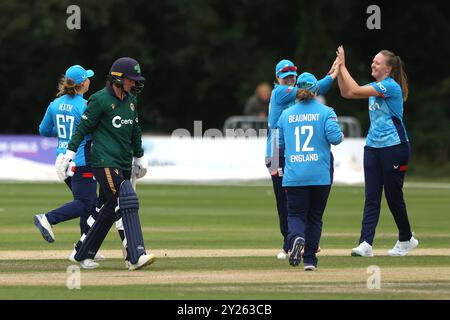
x: 288, y: 68
x: 306, y: 85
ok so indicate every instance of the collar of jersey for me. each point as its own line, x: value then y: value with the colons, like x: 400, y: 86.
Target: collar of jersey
x: 111, y: 92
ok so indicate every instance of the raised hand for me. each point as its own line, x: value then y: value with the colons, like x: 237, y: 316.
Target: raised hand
x: 335, y: 68
x: 341, y: 54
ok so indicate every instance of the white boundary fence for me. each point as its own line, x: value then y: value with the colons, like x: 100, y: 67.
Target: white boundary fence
x: 171, y: 159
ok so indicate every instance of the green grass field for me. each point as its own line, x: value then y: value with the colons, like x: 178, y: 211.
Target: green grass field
x: 193, y: 218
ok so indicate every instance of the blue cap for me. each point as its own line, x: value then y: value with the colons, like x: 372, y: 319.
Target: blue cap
x: 285, y: 68
x: 307, y: 81
x: 78, y: 74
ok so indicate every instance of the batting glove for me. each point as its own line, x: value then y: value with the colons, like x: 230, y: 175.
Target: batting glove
x: 140, y: 166
x: 65, y: 167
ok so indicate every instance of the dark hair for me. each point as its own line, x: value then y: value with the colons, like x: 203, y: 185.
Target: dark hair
x: 398, y: 71
x: 305, y: 94
x: 67, y: 86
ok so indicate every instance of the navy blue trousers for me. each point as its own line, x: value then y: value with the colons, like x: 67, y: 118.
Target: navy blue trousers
x: 103, y: 198
x: 84, y: 191
x: 385, y: 168
x: 306, y: 206
x: 109, y: 180
x: 280, y: 197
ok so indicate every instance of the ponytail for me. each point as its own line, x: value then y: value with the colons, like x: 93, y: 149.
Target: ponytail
x: 400, y: 76
x: 398, y: 71
x: 67, y: 86
x: 305, y: 94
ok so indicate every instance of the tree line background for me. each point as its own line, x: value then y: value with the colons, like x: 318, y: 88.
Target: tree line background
x: 203, y: 58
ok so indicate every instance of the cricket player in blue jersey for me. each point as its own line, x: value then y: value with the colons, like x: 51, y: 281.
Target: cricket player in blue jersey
x: 283, y: 96
x: 306, y: 132
x: 386, y: 153
x: 60, y: 120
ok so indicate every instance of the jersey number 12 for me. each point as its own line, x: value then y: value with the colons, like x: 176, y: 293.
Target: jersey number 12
x: 302, y: 131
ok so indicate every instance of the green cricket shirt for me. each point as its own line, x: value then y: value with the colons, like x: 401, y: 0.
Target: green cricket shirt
x: 114, y: 127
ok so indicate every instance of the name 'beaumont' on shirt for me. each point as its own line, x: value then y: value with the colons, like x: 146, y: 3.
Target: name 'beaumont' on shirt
x: 303, y: 117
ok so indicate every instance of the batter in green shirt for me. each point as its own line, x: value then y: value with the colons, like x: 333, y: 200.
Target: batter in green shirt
x: 114, y: 125
x: 118, y: 159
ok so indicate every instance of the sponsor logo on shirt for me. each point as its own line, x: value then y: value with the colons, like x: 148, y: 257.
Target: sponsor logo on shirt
x: 132, y: 106
x: 117, y: 121
x: 383, y: 88
x: 374, y: 106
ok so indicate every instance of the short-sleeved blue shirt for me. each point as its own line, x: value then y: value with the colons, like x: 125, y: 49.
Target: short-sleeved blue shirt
x: 386, y: 115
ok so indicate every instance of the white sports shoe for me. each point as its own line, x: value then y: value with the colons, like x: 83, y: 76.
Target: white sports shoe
x: 402, y: 248
x: 88, y: 264
x: 363, y: 250
x: 144, y: 260
x: 41, y: 222
x: 309, y: 267
x: 295, y: 256
x: 282, y: 255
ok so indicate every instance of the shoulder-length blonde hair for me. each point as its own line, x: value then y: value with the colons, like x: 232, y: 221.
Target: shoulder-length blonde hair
x: 67, y: 86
